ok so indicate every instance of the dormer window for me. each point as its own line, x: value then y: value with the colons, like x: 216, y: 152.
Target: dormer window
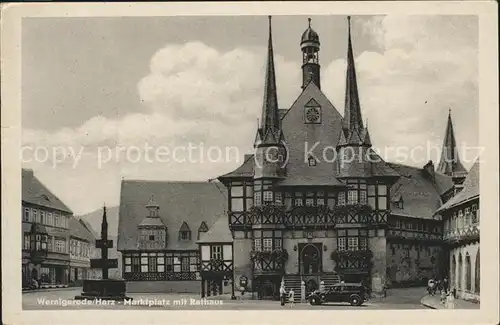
x: 151, y: 237
x: 311, y: 161
x: 202, y: 229
x: 45, y: 197
x: 184, y: 232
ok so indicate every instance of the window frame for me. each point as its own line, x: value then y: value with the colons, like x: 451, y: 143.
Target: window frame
x: 377, y: 194
x: 245, y: 198
x: 352, y: 239
x: 262, y: 236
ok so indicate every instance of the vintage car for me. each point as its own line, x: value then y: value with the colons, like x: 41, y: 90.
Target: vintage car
x: 354, y: 293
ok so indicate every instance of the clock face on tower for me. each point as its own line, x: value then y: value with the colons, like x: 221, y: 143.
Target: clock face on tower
x: 313, y: 115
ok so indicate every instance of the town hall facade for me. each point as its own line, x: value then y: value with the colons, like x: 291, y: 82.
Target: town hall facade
x: 297, y: 217
x: 293, y: 215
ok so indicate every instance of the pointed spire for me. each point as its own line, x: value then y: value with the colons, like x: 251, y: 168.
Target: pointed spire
x: 450, y: 163
x: 270, y: 115
x: 342, y: 140
x: 367, y: 140
x: 352, y: 113
x: 104, y: 224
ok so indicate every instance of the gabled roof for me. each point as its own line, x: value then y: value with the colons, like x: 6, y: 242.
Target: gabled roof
x: 245, y: 170
x: 91, y: 229
x: 374, y: 167
x: 470, y: 190
x: 298, y: 133
x: 218, y: 233
x: 203, y: 226
x: 421, y: 196
x: 34, y: 192
x: 190, y: 202
x: 79, y: 230
x: 152, y: 222
x: 184, y: 227
x: 298, y: 180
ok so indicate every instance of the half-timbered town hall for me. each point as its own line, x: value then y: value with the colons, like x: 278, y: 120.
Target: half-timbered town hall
x: 307, y: 218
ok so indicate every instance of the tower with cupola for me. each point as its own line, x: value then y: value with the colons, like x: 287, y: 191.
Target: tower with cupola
x: 310, y: 57
x: 152, y: 230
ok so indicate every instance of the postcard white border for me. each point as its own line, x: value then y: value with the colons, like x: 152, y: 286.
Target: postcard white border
x: 11, y: 168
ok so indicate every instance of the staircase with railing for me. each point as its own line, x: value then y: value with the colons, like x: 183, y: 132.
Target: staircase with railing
x: 293, y: 282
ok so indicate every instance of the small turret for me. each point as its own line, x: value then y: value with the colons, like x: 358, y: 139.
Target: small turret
x: 309, y: 44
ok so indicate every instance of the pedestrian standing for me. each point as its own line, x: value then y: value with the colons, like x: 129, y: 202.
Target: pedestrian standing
x: 445, y: 284
x: 282, y: 294
x: 291, y: 298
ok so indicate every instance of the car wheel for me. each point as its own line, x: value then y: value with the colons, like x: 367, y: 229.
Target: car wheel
x: 313, y: 301
x: 355, y: 300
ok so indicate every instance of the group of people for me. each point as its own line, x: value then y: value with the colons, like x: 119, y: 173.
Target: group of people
x: 284, y: 296
x: 447, y: 295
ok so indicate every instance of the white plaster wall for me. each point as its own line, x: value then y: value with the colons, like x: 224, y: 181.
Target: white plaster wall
x: 472, y: 249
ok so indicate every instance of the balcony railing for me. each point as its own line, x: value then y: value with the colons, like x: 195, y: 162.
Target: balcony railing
x: 413, y: 235
x: 352, y: 260
x: 307, y: 216
x: 269, y: 261
x: 468, y: 233
x: 216, y: 266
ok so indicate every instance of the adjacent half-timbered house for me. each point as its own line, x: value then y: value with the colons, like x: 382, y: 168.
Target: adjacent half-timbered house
x: 45, y: 235
x: 159, y: 224
x: 461, y: 235
x: 216, y: 260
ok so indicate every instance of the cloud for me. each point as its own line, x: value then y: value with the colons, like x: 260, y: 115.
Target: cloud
x: 425, y: 65
x: 196, y: 94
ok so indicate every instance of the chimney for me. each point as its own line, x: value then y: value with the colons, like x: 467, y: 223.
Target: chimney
x: 429, y: 170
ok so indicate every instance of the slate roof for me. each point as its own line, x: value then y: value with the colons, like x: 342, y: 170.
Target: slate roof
x: 34, y: 192
x: 245, y: 170
x: 190, y: 202
x: 420, y: 193
x: 78, y: 229
x: 299, y: 180
x: 218, y: 233
x: 469, y: 191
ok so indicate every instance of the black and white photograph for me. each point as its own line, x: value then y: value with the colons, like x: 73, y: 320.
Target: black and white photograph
x: 279, y: 161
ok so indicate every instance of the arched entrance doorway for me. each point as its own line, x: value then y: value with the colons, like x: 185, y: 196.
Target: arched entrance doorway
x: 310, y: 259
x: 310, y: 265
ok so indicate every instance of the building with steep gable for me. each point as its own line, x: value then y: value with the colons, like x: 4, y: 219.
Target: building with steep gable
x: 313, y: 203
x: 45, y: 235
x: 158, y: 227
x: 461, y: 220
x: 302, y: 216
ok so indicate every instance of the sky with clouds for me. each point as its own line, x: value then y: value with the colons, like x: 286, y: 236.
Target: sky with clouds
x: 101, y: 86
